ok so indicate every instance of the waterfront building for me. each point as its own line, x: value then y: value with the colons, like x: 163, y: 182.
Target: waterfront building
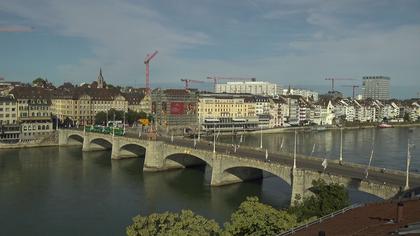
x: 229, y: 111
x: 251, y: 87
x: 34, y: 111
x: 9, y: 126
x: 278, y: 106
x: 175, y: 108
x: 376, y: 87
x: 81, y: 104
x: 323, y: 112
x: 390, y: 110
x: 344, y: 109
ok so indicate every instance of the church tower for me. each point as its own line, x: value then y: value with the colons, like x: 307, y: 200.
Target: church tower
x: 100, y: 80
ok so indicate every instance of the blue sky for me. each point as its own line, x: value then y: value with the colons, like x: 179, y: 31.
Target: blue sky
x: 297, y: 42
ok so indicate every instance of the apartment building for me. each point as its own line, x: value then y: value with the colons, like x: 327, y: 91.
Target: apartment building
x: 138, y: 102
x: 376, y: 87
x: 229, y: 111
x: 9, y: 125
x: 251, y: 87
x: 34, y: 111
x: 81, y: 104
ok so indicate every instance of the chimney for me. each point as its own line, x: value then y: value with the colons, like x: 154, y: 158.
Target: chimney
x: 400, y: 212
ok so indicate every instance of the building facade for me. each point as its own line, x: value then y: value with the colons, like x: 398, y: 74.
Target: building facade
x: 252, y: 87
x: 175, y: 108
x: 376, y: 87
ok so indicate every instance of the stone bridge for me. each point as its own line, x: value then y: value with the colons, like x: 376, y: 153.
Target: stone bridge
x: 225, y: 168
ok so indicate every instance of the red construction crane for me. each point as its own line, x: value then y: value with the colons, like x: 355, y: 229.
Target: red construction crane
x: 188, y: 81
x: 216, y: 79
x: 334, y: 79
x: 146, y: 62
x: 353, y: 87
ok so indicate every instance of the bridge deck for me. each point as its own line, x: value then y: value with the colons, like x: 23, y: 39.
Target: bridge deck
x: 349, y: 170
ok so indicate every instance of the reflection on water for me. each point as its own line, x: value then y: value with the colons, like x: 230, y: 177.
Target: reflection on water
x: 63, y: 191
x: 390, y: 145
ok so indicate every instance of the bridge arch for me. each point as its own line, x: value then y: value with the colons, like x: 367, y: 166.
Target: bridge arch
x: 131, y: 150
x: 74, y: 139
x: 246, y: 170
x: 100, y: 143
x: 184, y: 160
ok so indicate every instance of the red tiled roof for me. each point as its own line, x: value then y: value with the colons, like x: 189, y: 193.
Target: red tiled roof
x: 371, y: 219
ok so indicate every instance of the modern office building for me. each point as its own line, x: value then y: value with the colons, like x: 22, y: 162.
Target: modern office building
x: 376, y: 87
x: 252, y: 87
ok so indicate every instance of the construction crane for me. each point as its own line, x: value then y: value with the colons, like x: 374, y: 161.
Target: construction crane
x: 146, y: 62
x: 216, y: 79
x: 353, y: 88
x: 333, y: 80
x: 188, y: 81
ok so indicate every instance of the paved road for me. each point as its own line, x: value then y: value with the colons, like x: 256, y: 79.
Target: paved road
x: 302, y: 163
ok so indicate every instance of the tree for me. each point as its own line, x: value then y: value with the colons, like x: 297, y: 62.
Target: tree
x: 327, y: 198
x: 100, y: 118
x: 39, y: 81
x: 255, y: 218
x: 167, y: 223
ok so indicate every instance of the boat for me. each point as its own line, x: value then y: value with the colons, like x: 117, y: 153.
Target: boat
x: 385, y: 125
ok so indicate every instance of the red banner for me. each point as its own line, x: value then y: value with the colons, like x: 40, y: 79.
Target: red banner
x: 177, y: 108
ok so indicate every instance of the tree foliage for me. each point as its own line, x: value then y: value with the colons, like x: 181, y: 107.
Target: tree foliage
x: 184, y: 223
x: 130, y: 116
x: 255, y: 218
x: 327, y: 198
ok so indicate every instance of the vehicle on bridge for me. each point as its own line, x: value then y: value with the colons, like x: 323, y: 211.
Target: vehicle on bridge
x: 104, y: 130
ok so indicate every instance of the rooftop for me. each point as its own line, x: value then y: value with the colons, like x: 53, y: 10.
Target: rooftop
x: 371, y: 219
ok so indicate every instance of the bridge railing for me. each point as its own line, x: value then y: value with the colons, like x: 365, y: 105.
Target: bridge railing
x: 319, y: 220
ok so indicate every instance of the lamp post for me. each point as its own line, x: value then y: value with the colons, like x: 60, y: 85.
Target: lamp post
x: 261, y: 146
x: 341, y: 145
x: 214, y: 137
x: 407, y: 175
x: 294, y: 152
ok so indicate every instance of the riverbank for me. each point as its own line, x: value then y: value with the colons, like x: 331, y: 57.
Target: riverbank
x: 46, y: 141
x: 313, y: 128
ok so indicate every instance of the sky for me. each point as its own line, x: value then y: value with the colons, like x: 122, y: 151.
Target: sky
x: 296, y: 42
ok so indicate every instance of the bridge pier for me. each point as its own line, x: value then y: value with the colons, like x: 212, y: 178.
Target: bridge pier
x: 154, y: 158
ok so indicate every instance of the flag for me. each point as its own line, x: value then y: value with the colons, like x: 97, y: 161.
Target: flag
x: 324, y: 163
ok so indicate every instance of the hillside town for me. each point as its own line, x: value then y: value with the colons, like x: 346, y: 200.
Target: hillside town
x: 33, y: 111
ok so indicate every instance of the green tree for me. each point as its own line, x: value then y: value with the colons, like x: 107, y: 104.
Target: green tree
x: 255, y: 218
x: 39, y: 81
x: 327, y: 198
x: 167, y: 223
x: 100, y: 118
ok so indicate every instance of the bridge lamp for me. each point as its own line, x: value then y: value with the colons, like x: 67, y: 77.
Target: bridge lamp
x: 294, y: 151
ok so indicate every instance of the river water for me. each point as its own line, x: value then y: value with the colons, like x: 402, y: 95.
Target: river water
x: 63, y: 191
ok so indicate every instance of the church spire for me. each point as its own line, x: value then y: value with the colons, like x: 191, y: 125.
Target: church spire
x: 100, y: 80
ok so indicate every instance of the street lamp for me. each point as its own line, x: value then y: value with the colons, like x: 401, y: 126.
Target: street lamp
x: 261, y: 146
x: 214, y: 137
x: 407, y: 185
x: 341, y: 145
x: 294, y: 151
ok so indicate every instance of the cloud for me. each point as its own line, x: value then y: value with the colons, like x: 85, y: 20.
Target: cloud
x: 307, y: 40
x: 15, y: 28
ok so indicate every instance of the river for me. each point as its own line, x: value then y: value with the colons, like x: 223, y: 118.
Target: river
x: 63, y: 191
